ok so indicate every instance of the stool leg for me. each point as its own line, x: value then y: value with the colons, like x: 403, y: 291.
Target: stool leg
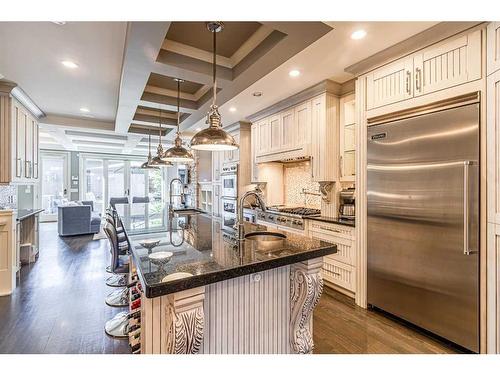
x: 117, y: 326
x: 117, y: 280
x: 118, y: 298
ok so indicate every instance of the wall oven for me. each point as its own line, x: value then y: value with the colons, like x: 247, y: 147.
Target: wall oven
x: 230, y: 181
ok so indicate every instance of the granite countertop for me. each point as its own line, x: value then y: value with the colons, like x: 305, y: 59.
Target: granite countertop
x: 333, y: 220
x: 25, y: 213
x: 206, y: 254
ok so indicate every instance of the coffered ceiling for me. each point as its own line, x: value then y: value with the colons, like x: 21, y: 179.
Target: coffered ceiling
x: 246, y: 52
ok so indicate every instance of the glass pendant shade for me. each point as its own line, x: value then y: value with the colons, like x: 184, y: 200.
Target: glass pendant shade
x: 214, y: 138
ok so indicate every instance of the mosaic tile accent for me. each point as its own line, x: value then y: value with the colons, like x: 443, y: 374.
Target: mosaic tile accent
x: 297, y: 176
x: 8, y: 196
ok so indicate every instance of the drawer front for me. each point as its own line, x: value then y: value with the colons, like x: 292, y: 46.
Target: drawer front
x: 339, y: 274
x: 339, y: 231
x: 345, y: 247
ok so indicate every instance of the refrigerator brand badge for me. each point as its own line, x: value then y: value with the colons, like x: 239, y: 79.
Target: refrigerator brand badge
x: 379, y: 136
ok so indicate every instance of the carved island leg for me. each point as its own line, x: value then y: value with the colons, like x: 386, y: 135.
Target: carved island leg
x: 306, y: 286
x: 185, y: 321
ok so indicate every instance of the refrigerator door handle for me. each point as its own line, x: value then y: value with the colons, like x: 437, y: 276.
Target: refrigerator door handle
x: 467, y: 250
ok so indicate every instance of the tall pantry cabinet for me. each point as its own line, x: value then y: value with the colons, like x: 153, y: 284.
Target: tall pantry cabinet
x: 493, y: 186
x: 19, y: 139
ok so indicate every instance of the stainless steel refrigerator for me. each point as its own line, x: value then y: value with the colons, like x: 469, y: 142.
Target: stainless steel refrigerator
x: 423, y: 221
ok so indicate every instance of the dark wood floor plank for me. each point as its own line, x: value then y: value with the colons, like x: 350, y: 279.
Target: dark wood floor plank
x: 58, y: 306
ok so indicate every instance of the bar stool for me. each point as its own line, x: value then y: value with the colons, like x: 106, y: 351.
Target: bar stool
x: 117, y: 326
x: 140, y: 199
x: 120, y: 234
x: 118, y: 200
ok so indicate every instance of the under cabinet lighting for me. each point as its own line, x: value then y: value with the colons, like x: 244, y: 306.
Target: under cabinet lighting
x: 69, y: 64
x: 358, y: 34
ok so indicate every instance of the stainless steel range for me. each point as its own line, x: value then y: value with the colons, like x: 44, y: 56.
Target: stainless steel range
x: 291, y: 217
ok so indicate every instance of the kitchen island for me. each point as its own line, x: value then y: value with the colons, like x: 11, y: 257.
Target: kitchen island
x: 216, y: 295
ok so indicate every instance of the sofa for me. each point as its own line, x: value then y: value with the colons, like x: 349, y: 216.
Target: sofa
x: 76, y: 218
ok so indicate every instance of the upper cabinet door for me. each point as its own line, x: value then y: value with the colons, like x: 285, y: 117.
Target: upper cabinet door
x: 303, y: 124
x: 448, y: 64
x: 28, y: 146
x: 493, y: 48
x: 263, y: 137
x: 20, y: 137
x: 287, y: 130
x: 235, y: 157
x: 390, y: 84
x: 36, y: 137
x: 275, y: 132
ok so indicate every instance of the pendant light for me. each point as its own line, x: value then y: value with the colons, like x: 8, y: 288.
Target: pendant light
x: 157, y: 161
x: 214, y: 138
x: 147, y: 164
x: 177, y: 153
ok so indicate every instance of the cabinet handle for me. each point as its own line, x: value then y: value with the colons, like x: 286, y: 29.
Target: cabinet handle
x: 19, y: 167
x: 418, y: 79
x: 408, y: 80
x: 341, y: 167
x: 312, y: 166
x: 26, y: 168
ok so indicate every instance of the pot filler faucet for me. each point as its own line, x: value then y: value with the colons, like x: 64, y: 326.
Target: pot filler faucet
x: 260, y: 202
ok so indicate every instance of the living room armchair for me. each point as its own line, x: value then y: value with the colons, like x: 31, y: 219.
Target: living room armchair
x: 78, y: 218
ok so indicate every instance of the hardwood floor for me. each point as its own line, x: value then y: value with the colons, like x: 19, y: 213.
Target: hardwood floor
x: 58, y: 307
x: 342, y: 327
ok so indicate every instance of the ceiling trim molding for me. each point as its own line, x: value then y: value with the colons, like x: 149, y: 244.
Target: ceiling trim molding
x: 10, y: 87
x: 73, y: 122
x: 309, y: 93
x: 414, y: 43
x: 195, y: 53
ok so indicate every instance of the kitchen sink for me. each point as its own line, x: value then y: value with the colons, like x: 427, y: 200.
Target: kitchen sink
x: 265, y: 236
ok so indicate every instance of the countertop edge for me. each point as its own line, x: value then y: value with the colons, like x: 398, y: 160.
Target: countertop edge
x: 332, y: 220
x: 32, y: 213
x: 214, y: 277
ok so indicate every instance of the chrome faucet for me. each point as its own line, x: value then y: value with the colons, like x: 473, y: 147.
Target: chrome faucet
x: 170, y: 201
x: 241, y: 225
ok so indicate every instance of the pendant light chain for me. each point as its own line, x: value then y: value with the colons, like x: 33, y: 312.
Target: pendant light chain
x: 178, y: 106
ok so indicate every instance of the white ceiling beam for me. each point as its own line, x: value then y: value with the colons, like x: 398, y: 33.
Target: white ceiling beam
x: 72, y: 122
x: 143, y: 42
x: 132, y: 142
x: 60, y: 136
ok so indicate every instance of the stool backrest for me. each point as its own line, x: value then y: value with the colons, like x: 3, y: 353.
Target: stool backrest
x: 140, y: 199
x: 118, y: 200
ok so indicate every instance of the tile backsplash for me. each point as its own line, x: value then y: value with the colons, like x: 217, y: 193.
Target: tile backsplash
x: 297, y: 176
x: 8, y: 196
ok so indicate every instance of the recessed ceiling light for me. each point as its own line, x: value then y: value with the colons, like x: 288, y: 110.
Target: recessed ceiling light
x: 294, y: 73
x: 358, y: 34
x: 83, y: 109
x: 69, y: 64
x: 257, y: 93
x: 232, y: 109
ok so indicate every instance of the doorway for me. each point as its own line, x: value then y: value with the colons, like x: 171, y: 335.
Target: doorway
x: 54, y: 183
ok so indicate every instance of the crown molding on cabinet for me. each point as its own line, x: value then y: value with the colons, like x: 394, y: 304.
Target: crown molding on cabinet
x: 9, y: 87
x: 416, y: 42
x: 309, y: 93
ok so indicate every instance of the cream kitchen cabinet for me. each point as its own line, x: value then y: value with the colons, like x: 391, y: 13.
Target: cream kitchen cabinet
x: 324, y: 140
x: 339, y: 269
x: 493, y: 145
x: 446, y: 64
x: 287, y: 127
x: 493, y: 47
x: 390, y: 84
x: 275, y: 133
x: 217, y: 161
x: 254, y: 173
x: 302, y: 117
x: 263, y: 137
x: 217, y: 202
x: 347, y: 138
x: 19, y: 159
x: 232, y: 156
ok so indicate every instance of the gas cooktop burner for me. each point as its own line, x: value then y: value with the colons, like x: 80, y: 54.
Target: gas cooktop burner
x: 301, y: 211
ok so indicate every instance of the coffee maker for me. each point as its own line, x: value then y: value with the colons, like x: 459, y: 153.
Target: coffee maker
x: 346, y: 209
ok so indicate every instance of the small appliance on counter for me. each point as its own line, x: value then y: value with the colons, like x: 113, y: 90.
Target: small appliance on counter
x: 347, y: 208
